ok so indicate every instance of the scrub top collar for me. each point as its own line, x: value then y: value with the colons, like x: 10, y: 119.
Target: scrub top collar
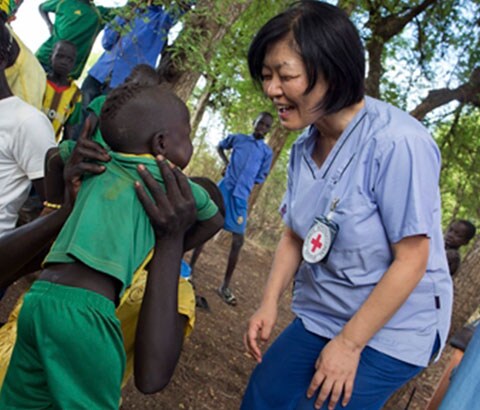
x: 313, y: 134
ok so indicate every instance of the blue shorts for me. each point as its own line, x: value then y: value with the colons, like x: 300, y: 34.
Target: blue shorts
x: 235, y: 211
x: 281, y: 381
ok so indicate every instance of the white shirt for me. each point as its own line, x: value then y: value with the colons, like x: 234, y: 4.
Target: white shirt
x: 25, y: 136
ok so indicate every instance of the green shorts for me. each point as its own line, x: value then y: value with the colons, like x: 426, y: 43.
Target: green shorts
x: 68, y: 354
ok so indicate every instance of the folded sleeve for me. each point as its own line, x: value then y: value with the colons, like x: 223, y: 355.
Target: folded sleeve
x: 406, y: 186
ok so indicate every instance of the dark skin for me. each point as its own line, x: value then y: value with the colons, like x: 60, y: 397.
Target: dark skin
x: 261, y: 126
x: 23, y: 249
x: 455, y: 237
x: 46, y: 17
x: 156, y: 350
x: 6, y: 59
x: 63, y: 61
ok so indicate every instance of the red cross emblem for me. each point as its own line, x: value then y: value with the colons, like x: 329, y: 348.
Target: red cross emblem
x: 316, y: 243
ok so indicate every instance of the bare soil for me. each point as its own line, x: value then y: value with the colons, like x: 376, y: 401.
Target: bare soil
x: 214, y: 368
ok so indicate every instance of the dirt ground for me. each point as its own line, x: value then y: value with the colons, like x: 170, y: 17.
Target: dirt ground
x: 213, y: 368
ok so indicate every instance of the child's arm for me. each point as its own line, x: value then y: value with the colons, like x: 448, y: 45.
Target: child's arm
x: 202, y: 231
x: 264, y: 169
x: 44, y: 9
x: 23, y: 249
x: 160, y: 329
x: 54, y: 164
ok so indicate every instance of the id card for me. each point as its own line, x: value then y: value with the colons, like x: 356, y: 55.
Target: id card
x: 319, y: 240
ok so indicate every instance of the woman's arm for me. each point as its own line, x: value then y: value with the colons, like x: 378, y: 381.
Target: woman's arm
x: 285, y: 263
x: 159, y: 335
x: 337, y: 364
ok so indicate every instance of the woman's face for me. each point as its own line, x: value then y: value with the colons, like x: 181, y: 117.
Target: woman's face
x: 285, y: 81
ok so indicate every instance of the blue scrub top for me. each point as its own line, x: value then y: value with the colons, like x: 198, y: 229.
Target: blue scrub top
x: 384, y: 172
x: 249, y: 163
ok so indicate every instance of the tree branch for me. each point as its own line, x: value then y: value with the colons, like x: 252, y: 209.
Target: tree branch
x: 468, y: 93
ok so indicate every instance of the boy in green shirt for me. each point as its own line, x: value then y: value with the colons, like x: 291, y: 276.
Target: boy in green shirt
x: 104, y: 240
x: 78, y: 21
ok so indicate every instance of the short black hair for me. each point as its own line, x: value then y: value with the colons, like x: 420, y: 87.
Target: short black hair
x: 65, y: 42
x: 124, y: 110
x: 329, y: 45
x: 265, y: 114
x: 470, y: 228
x: 146, y: 75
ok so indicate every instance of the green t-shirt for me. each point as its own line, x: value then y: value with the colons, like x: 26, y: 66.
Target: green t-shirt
x: 108, y: 229
x: 77, y: 21
x: 96, y: 106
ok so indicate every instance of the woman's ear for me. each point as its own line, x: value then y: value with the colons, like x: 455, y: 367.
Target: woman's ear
x: 159, y: 144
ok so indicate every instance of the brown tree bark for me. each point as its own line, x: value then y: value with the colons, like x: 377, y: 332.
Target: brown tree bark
x: 179, y: 71
x: 200, y: 107
x: 383, y: 29
x: 466, y: 302
x: 468, y: 93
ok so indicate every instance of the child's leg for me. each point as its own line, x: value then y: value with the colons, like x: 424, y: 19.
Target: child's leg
x: 74, y: 357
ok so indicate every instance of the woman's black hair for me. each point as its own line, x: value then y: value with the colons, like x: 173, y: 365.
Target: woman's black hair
x: 329, y: 45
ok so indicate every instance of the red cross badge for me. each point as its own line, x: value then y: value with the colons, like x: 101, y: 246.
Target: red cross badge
x: 317, y: 242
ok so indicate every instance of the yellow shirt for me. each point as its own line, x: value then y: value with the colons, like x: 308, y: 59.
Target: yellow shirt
x: 26, y: 77
x: 62, y: 105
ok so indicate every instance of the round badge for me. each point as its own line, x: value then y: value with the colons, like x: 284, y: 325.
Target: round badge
x: 317, y: 243
x: 240, y: 220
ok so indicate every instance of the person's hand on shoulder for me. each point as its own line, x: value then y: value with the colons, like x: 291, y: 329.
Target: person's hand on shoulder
x: 172, y: 212
x: 83, y: 159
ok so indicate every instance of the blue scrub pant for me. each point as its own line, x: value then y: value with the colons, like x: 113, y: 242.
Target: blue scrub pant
x: 462, y: 393
x: 281, y: 381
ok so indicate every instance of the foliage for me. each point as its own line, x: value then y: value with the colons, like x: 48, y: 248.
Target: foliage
x: 460, y: 184
x: 437, y: 48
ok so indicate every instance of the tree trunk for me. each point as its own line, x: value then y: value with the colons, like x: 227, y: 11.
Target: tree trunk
x: 383, y: 29
x: 277, y: 140
x: 182, y: 64
x: 466, y: 302
x: 200, y: 107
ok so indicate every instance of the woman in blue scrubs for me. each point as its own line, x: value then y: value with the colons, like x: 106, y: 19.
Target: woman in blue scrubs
x: 362, y: 242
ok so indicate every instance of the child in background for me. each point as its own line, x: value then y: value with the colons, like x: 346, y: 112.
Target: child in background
x: 105, y: 240
x: 78, y: 21
x: 459, y: 233
x: 62, y: 102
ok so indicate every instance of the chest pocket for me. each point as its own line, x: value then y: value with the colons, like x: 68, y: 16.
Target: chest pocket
x: 361, y: 251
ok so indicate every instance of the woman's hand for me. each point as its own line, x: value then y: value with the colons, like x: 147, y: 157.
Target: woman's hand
x: 172, y: 212
x: 336, y: 367
x: 82, y: 160
x: 260, y: 328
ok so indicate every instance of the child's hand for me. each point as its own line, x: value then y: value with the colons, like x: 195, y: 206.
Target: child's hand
x: 172, y: 212
x: 77, y: 165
